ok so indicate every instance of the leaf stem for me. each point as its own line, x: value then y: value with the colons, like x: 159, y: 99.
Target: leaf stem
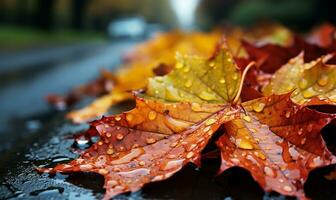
x: 247, y: 68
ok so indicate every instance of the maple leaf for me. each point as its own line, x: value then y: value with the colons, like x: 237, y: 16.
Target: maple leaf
x: 140, y: 65
x: 174, y: 120
x: 278, y: 141
x: 313, y: 83
x: 270, y: 57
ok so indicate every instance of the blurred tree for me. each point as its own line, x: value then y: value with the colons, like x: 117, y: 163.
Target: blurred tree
x: 78, y: 9
x: 44, y: 14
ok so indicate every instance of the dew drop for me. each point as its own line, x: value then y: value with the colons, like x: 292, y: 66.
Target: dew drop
x: 207, y: 96
x: 310, y: 127
x: 222, y: 80
x: 142, y: 163
x: 290, y: 87
x: 207, y: 128
x: 287, y: 188
x: 268, y: 171
x: 190, y: 154
x: 247, y: 118
x: 258, y: 107
x: 300, y: 132
x: 174, y: 144
x: 85, y: 167
x: 303, y: 141
x: 323, y: 80
x: 308, y: 93
x: 171, y: 156
x: 245, y: 144
x: 172, y: 164
x: 260, y: 155
x: 212, y: 64
x: 129, y: 117
x: 288, y: 114
x: 119, y: 136
x: 188, y: 83
x: 117, y: 118
x: 210, y: 121
x: 152, y: 115
x: 110, y: 151
x: 235, y: 161
x: 103, y: 171
x: 303, y: 83
x: 150, y: 140
x: 179, y: 65
x: 196, y: 107
x: 235, y: 76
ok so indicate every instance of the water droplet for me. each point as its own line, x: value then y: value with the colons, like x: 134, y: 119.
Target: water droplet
x: 158, y: 178
x: 293, y: 153
x: 303, y: 141
x: 268, y: 171
x: 235, y: 76
x: 112, y: 183
x: 207, y: 96
x: 174, y: 144
x: 258, y: 107
x: 235, y: 161
x: 103, y: 171
x: 188, y: 83
x: 171, y: 156
x: 179, y: 65
x: 191, y: 147
x: 323, y: 80
x: 172, y: 164
x: 260, y: 155
x: 150, y: 140
x: 44, y: 193
x: 85, y: 167
x: 142, y: 163
x: 300, y: 132
x: 190, y: 154
x: 110, y: 151
x: 117, y: 118
x: 210, y: 121
x: 152, y: 115
x: 222, y: 80
x: 288, y: 114
x: 310, y: 127
x: 247, y: 118
x: 196, y: 107
x: 290, y: 87
x: 129, y: 117
x: 287, y: 188
x: 303, y: 83
x: 128, y: 157
x: 308, y: 93
x: 317, y: 161
x: 207, y: 128
x: 245, y: 144
x: 135, y: 173
x: 212, y: 64
x: 119, y: 136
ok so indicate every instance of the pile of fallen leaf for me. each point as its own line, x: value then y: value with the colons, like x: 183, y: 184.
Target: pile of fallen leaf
x: 263, y: 90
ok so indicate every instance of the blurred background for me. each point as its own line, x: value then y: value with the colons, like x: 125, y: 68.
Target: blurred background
x: 50, y: 46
